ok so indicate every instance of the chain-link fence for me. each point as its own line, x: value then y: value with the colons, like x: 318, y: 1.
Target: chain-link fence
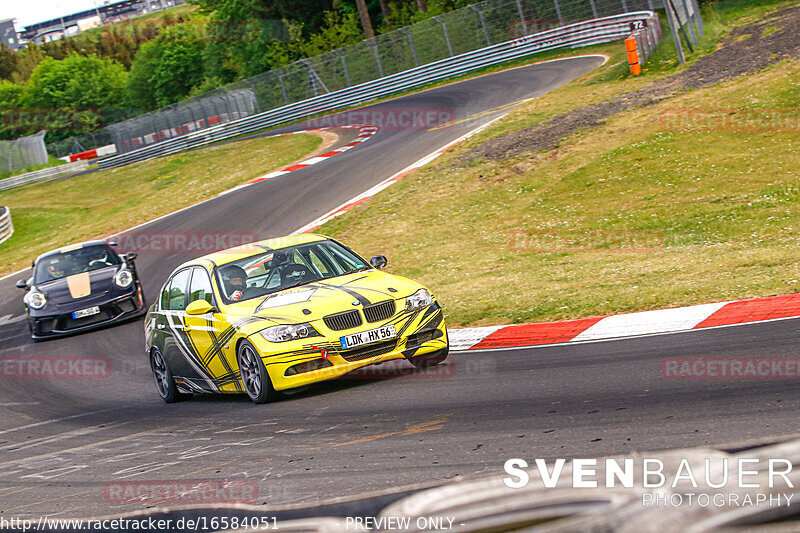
x: 80, y: 143
x: 221, y: 106
x: 473, y: 27
x: 23, y: 152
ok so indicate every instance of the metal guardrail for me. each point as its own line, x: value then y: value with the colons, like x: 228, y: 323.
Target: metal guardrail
x: 6, y: 227
x: 575, y: 35
x: 39, y: 175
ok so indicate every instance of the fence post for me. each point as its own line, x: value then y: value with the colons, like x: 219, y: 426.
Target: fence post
x: 594, y: 9
x: 283, y: 88
x: 624, y: 6
x: 673, y: 27
x: 687, y: 7
x: 522, y: 18
x: 339, y: 53
x: 372, y: 44
x: 558, y: 12
x: 446, y: 35
x: 483, y: 22
x: 698, y: 17
x: 313, y: 79
x: 411, y: 42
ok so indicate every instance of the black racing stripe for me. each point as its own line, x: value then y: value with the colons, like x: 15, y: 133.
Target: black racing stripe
x: 371, y: 289
x: 363, y: 300
x: 433, y: 321
x: 184, y: 341
x: 216, y: 350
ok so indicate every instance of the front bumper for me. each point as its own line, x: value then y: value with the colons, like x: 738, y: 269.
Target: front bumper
x: 116, y: 310
x: 319, y: 358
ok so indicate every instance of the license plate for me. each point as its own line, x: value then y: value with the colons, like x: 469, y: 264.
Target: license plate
x: 86, y: 312
x: 367, y: 337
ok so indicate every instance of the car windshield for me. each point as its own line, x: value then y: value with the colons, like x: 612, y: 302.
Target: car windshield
x: 276, y: 270
x: 75, y: 261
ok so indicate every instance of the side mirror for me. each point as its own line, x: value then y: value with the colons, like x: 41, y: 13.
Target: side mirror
x: 130, y: 256
x: 112, y: 243
x: 22, y: 284
x: 199, y: 307
x: 378, y: 261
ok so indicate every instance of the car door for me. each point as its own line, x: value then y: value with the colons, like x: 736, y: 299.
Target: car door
x: 186, y: 366
x: 210, y: 335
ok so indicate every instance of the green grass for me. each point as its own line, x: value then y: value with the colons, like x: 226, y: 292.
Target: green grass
x: 52, y: 214
x: 638, y: 213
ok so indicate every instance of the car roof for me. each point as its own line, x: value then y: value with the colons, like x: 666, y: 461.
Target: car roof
x: 253, y: 248
x: 70, y: 248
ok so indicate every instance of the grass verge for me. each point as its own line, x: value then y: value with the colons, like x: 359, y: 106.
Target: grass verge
x: 52, y: 214
x: 640, y: 212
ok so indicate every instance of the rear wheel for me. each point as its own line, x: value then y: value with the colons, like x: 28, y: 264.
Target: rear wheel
x: 430, y: 359
x: 255, y: 379
x: 164, y: 380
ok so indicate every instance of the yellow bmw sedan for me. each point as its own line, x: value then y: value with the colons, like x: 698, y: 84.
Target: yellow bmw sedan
x: 284, y: 313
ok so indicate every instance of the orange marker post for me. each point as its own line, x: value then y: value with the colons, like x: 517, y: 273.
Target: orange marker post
x: 633, y: 56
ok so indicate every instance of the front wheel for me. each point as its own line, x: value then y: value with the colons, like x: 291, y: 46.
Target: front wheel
x: 431, y: 359
x: 255, y: 379
x: 164, y: 380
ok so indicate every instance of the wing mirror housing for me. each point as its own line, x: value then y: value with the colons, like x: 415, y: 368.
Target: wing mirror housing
x: 22, y: 284
x: 199, y: 307
x: 378, y: 261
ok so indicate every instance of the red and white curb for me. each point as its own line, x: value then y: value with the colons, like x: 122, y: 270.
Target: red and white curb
x: 364, y: 134
x: 627, y: 325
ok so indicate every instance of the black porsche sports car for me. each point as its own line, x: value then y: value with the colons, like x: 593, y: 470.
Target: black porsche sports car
x: 79, y: 287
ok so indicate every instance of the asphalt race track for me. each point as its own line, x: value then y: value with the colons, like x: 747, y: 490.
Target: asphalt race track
x: 62, y: 442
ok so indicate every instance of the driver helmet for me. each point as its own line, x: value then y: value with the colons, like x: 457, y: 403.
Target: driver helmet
x: 234, y: 278
x: 55, y: 270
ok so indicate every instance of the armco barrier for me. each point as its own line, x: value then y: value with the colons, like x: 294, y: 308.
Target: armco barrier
x: 6, y: 227
x: 39, y: 175
x: 575, y: 35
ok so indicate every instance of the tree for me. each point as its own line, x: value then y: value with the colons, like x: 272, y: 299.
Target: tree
x: 167, y: 69
x: 142, y: 70
x: 366, y: 23
x: 77, y: 83
x: 8, y: 62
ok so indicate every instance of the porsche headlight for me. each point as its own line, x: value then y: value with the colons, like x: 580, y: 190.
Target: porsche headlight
x: 421, y: 298
x: 123, y: 278
x: 289, y: 332
x: 36, y: 300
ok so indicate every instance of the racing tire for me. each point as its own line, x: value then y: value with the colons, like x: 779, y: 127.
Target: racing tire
x: 165, y: 383
x: 430, y: 359
x: 255, y: 380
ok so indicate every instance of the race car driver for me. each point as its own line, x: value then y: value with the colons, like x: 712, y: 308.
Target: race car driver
x: 234, y: 278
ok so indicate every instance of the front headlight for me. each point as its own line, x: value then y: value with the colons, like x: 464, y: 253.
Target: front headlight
x: 289, y: 332
x: 124, y: 278
x: 36, y: 300
x: 421, y: 298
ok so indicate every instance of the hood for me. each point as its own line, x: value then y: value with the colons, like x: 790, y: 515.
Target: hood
x: 84, y: 288
x: 312, y: 301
